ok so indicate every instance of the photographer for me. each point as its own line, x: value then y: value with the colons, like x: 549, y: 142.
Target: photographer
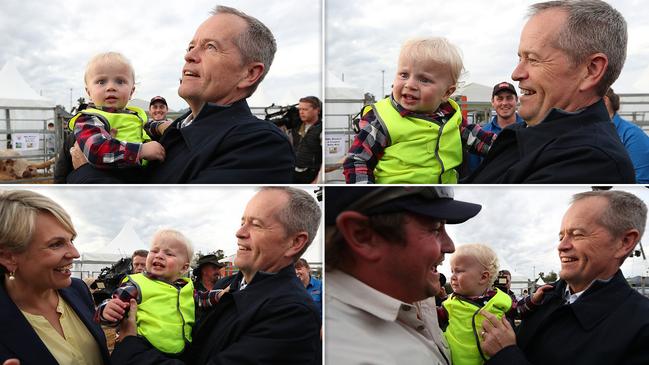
x: 504, y: 283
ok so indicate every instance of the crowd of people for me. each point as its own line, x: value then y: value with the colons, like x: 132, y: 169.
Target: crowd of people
x: 262, y: 314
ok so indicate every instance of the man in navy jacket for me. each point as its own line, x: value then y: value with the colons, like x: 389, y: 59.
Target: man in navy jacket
x: 563, y: 72
x: 266, y: 317
x: 219, y: 140
x: 591, y: 316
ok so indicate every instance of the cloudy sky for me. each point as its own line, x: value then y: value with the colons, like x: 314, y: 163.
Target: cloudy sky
x: 52, y: 41
x: 208, y: 216
x: 364, y: 37
x: 522, y: 225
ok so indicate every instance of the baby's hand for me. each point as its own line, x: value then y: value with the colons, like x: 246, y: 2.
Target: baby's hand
x: 537, y: 297
x: 114, y: 310
x: 152, y: 151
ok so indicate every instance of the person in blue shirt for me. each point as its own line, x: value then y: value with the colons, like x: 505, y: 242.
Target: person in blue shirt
x: 312, y: 285
x: 504, y: 101
x: 634, y: 139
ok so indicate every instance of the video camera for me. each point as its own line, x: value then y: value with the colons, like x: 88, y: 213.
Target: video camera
x: 501, y: 281
x: 287, y: 116
x: 109, y: 279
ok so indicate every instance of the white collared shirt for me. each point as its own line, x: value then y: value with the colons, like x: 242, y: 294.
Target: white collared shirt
x: 187, y: 121
x: 572, y: 297
x: 365, y: 326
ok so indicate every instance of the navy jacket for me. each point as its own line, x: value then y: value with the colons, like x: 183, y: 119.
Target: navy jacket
x: 19, y: 340
x: 223, y: 145
x: 565, y: 148
x: 272, y: 321
x: 607, y: 325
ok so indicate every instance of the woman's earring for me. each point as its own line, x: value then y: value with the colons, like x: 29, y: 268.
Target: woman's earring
x: 11, y: 276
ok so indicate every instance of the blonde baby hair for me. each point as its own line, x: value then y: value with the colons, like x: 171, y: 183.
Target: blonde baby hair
x: 483, y: 254
x: 108, y: 57
x: 435, y: 49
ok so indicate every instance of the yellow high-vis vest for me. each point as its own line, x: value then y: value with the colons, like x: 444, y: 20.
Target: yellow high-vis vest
x: 129, y: 123
x: 465, y: 326
x: 420, y: 151
x: 166, y: 314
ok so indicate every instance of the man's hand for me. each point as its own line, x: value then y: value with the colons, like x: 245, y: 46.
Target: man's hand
x: 114, y: 310
x: 496, y: 334
x: 537, y: 297
x: 163, y: 126
x: 129, y: 327
x: 11, y: 362
x: 152, y: 151
x: 78, y: 158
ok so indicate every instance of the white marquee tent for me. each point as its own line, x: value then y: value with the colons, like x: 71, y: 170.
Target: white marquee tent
x: 22, y: 110
x: 123, y: 245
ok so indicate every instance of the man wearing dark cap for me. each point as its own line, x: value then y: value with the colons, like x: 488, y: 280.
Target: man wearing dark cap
x: 503, y: 101
x: 207, y: 273
x: 383, y: 246
x: 158, y: 109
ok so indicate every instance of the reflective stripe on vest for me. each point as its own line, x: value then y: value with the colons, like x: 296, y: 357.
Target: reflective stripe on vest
x: 165, y: 315
x: 460, y: 334
x: 420, y: 151
x: 128, y: 123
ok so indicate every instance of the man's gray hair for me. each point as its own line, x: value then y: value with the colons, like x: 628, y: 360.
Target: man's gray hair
x: 256, y: 43
x: 593, y: 26
x: 625, y: 211
x: 301, y: 214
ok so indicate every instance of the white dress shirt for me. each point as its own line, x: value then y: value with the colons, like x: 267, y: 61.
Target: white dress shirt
x: 365, y: 326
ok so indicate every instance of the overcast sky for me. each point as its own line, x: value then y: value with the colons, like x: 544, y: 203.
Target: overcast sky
x: 522, y: 224
x: 52, y: 41
x: 208, y: 216
x: 364, y: 37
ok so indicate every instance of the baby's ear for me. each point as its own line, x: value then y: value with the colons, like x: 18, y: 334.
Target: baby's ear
x: 132, y: 91
x: 451, y: 89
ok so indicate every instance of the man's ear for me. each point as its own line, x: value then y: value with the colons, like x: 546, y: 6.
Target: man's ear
x: 297, y: 244
x: 359, y: 236
x: 627, y: 243
x: 593, y: 71
x: 253, y: 72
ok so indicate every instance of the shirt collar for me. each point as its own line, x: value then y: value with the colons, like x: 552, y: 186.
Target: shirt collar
x: 355, y: 293
x: 571, y: 297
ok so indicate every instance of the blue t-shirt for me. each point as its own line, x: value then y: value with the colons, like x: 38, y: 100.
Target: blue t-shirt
x: 315, y: 290
x: 636, y: 142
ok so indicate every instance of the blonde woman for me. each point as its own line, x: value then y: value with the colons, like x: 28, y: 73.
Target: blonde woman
x: 46, y: 314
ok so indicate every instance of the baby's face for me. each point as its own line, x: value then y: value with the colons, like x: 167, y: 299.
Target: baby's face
x: 421, y: 86
x: 110, y: 84
x: 167, y: 259
x: 468, y: 276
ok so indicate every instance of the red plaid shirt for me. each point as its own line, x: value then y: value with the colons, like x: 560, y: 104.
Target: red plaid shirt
x: 100, y: 148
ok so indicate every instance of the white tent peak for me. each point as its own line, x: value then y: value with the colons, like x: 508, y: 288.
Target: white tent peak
x: 14, y: 86
x: 127, y: 240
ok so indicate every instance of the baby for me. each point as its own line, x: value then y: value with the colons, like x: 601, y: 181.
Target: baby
x: 166, y: 299
x: 416, y: 135
x: 474, y: 268
x: 110, y: 83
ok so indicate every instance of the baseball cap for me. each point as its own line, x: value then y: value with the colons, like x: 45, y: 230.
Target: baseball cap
x: 432, y: 201
x: 504, y: 86
x: 156, y: 99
